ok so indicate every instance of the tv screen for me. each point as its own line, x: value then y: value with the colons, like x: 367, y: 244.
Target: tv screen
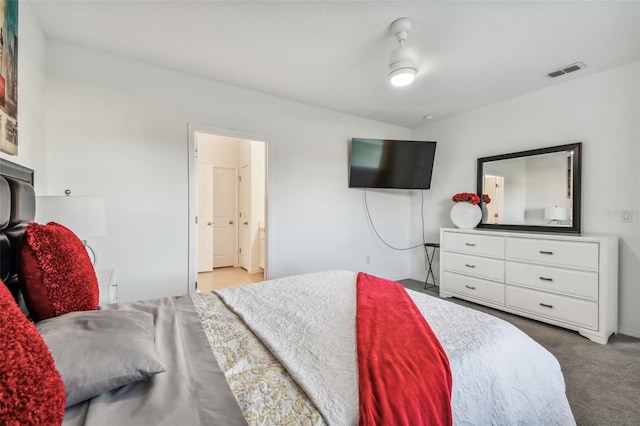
x: 387, y: 163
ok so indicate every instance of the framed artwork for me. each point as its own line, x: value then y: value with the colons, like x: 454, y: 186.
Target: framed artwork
x: 9, y: 76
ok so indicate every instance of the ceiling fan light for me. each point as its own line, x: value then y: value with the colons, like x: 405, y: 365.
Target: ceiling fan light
x: 402, y: 76
x: 402, y: 67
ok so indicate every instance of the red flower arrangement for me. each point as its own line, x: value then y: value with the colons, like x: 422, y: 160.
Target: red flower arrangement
x: 470, y: 197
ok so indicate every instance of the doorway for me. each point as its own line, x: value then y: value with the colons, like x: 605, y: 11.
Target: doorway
x: 216, y: 216
x: 494, y: 188
x: 228, y: 197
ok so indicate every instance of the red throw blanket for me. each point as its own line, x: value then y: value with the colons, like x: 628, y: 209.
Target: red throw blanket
x: 404, y: 375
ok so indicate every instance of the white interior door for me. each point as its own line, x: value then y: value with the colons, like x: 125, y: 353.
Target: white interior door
x: 244, y: 206
x: 224, y: 202
x: 205, y: 218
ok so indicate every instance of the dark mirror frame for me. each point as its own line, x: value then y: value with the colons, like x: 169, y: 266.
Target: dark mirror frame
x: 576, y: 188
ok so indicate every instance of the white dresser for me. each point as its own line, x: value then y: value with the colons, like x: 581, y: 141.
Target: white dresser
x: 567, y: 280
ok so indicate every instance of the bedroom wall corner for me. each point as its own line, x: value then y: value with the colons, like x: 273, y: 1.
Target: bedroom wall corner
x: 31, y: 97
x: 600, y: 110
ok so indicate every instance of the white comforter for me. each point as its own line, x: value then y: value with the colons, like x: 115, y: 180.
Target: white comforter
x: 500, y: 375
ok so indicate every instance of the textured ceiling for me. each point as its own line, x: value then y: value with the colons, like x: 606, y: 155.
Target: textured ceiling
x: 335, y: 54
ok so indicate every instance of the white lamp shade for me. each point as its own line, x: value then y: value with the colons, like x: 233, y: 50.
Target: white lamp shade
x: 83, y: 215
x: 556, y: 213
x: 402, y: 76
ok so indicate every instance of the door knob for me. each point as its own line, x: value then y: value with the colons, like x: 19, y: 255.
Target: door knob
x: 230, y: 222
x: 245, y: 223
x: 209, y: 223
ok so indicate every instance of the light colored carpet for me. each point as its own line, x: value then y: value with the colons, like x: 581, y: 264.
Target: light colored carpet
x: 603, y: 381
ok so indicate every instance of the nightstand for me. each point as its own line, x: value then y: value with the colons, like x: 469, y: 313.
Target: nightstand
x: 108, y: 286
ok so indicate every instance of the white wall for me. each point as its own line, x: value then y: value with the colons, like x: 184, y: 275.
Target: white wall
x: 547, y: 185
x: 31, y: 93
x: 118, y: 128
x: 602, y: 111
x: 514, y: 186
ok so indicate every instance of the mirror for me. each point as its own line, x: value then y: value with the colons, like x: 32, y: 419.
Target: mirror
x: 536, y: 190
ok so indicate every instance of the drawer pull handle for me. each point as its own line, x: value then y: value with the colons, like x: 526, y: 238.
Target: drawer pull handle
x: 545, y: 252
x: 546, y: 279
x: 470, y: 244
x: 470, y: 287
x: 469, y: 266
x: 545, y: 305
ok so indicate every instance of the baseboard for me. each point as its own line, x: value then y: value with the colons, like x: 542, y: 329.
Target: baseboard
x: 410, y: 277
x: 398, y: 278
x: 627, y: 331
x: 419, y: 277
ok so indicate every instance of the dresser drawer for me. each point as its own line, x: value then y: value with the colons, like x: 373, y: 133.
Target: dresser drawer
x: 483, y: 245
x: 571, y: 254
x: 473, y: 287
x: 565, y: 281
x: 562, y: 308
x: 481, y: 267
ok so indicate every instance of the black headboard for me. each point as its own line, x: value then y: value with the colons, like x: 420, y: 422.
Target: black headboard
x: 17, y: 209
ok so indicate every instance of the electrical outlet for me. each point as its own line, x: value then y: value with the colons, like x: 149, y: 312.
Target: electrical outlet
x: 627, y: 216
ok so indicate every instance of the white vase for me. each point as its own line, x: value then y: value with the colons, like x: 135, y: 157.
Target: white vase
x: 465, y: 215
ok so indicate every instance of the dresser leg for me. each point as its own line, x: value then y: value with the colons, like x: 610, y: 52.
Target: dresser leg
x: 445, y: 295
x: 594, y: 338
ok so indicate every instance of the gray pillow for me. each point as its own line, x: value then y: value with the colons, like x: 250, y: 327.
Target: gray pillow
x: 97, y: 351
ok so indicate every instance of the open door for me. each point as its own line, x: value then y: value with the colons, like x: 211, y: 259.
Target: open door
x: 205, y: 218
x: 228, y: 216
x: 244, y: 193
x: 223, y: 216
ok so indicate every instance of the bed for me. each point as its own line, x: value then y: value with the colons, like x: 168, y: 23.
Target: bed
x: 282, y: 351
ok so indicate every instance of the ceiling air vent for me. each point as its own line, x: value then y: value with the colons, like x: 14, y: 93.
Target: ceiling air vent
x: 566, y: 69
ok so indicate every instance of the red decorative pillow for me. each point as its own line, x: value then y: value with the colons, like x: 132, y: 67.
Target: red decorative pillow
x: 55, y: 272
x: 31, y: 388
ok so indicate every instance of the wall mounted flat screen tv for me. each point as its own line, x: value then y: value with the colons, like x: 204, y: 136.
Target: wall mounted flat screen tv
x: 388, y: 163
